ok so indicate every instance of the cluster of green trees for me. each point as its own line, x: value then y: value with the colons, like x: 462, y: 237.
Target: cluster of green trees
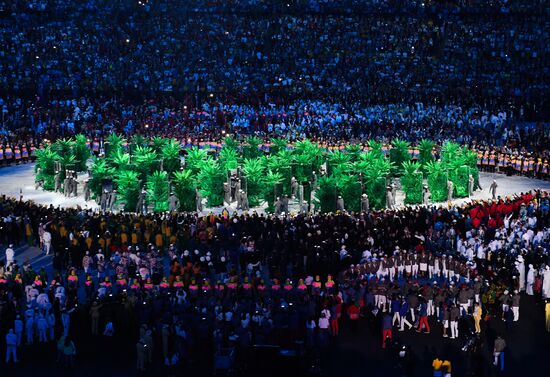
x: 155, y: 164
x: 71, y: 154
x: 456, y: 163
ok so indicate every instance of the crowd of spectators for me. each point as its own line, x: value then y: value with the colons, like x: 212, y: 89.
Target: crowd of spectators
x: 500, y: 139
x: 33, y: 121
x: 192, y: 286
x: 490, y: 59
x: 188, y: 286
x: 471, y: 71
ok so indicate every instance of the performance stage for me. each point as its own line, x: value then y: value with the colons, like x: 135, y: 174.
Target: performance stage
x: 19, y: 180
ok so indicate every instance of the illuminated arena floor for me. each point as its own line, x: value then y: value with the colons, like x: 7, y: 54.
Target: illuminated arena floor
x: 17, y: 180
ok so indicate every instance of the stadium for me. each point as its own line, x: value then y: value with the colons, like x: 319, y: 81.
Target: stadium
x: 262, y: 187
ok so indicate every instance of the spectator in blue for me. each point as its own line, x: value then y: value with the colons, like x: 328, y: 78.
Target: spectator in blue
x: 11, y: 347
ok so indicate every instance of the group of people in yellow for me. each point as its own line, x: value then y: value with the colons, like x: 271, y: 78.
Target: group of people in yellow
x: 142, y: 230
x: 513, y: 163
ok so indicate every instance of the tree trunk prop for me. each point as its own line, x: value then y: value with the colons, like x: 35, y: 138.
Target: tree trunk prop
x: 128, y: 188
x: 158, y: 191
x: 460, y: 177
x: 398, y: 155
x: 254, y: 172
x: 210, y: 181
x: 327, y: 194
x: 376, y: 190
x: 350, y: 189
x: 411, y: 183
x: 184, y: 189
x: 437, y: 183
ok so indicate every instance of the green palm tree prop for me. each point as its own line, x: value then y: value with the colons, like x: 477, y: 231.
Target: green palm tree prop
x: 254, y: 172
x: 354, y: 150
x: 100, y: 171
x: 338, y: 158
x: 459, y: 173
x: 170, y: 153
x: 342, y: 169
x: 63, y: 147
x: 158, y: 190
x: 460, y: 177
x: 158, y: 143
x: 449, y: 151
x: 228, y: 158
x: 67, y: 163
x: 368, y: 158
x: 399, y: 154
x: 375, y: 148
x: 251, y: 148
x: 210, y: 181
x: 470, y: 159
x: 437, y: 181
x: 195, y: 157
x: 81, y: 152
x: 425, y: 155
x: 137, y: 141
x: 304, y: 147
x: 230, y: 143
x: 128, y: 188
x: 375, y: 186
x: 380, y: 166
x: 277, y: 145
x: 120, y: 160
x: 372, y: 162
x: 184, y: 189
x: 375, y: 181
x: 282, y: 164
x: 45, y: 167
x: 316, y: 155
x: 303, y: 167
x: 271, y: 180
x: 113, y: 143
x: 360, y: 167
x: 350, y: 189
x: 285, y: 155
x: 411, y: 182
x: 145, y: 161
x: 326, y: 194
x: 338, y: 161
